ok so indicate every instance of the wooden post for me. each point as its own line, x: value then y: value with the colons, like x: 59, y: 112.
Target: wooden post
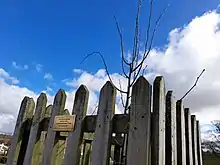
x: 188, y: 133
x: 158, y: 123
x: 25, y: 114
x: 139, y: 128
x: 199, y: 149
x: 181, y: 146
x: 171, y: 146
x: 194, y: 140
x: 40, y: 110
x: 102, y: 141
x: 58, y: 106
x: 74, y: 141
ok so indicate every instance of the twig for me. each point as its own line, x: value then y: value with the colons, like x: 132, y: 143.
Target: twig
x: 197, y: 79
x: 106, y: 68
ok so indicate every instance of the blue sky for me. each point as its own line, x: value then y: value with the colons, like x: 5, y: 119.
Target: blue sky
x: 58, y: 34
x: 42, y: 42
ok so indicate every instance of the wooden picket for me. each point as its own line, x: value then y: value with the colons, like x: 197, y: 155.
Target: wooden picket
x: 170, y: 130
x: 74, y: 141
x: 160, y: 134
x: 139, y: 124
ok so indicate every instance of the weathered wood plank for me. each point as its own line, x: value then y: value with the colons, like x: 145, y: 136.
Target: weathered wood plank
x: 194, y: 140
x: 188, y: 133
x: 102, y: 141
x: 199, y: 149
x: 58, y: 106
x: 18, y: 144
x: 41, y: 136
x: 74, y: 141
x: 158, y: 123
x: 59, y: 144
x: 40, y: 109
x: 140, y: 120
x: 171, y: 146
x: 181, y: 144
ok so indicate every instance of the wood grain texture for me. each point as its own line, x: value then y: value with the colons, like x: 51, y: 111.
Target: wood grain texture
x: 74, y: 141
x: 139, y: 125
x: 102, y: 141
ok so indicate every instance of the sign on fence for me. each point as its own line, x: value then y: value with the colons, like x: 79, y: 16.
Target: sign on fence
x: 64, y: 123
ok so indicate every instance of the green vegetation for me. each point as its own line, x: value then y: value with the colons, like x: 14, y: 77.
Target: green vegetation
x: 211, y: 159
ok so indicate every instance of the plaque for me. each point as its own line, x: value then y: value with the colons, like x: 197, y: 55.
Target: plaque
x: 64, y: 123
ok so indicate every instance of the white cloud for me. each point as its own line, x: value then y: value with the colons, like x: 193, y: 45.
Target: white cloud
x: 12, y: 95
x: 19, y: 67
x: 48, y: 76
x: 189, y: 50
x: 39, y: 67
x: 5, y: 75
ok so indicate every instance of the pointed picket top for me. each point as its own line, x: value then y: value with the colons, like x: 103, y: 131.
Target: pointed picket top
x: 60, y: 94
x: 23, y: 106
x: 41, y: 105
x: 159, y: 80
x: 140, y: 85
x: 66, y: 112
x: 170, y: 146
x: 28, y: 114
x: 108, y: 85
x: 48, y: 111
x: 82, y: 95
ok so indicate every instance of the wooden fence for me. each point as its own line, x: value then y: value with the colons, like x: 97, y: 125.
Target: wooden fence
x: 159, y: 133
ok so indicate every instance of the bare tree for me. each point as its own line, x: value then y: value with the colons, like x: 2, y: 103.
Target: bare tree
x: 133, y: 67
x: 213, y: 145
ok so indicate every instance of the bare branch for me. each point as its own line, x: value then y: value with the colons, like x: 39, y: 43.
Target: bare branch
x: 136, y: 35
x: 197, y: 79
x: 143, y: 71
x: 147, y: 51
x: 122, y: 100
x: 149, y: 24
x: 106, y: 68
x: 122, y: 48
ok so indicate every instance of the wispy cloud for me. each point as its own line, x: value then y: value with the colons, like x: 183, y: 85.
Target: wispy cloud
x: 78, y: 71
x: 39, y: 67
x: 48, y: 76
x: 49, y: 89
x: 19, y: 67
